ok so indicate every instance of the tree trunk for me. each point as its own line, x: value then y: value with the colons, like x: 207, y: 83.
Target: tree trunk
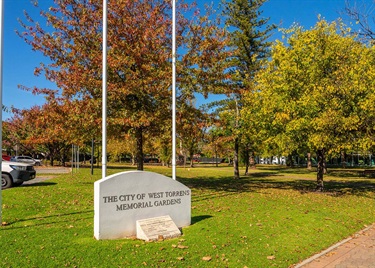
x: 139, y: 154
x: 290, y: 161
x: 51, y: 155
x: 217, y: 165
x: 252, y: 160
x: 235, y: 159
x: 343, y: 160
x: 320, y: 170
x: 185, y: 160
x: 309, y: 165
x: 247, y: 160
x: 236, y: 144
x: 191, y: 162
x: 65, y: 155
x: 133, y: 160
x: 191, y: 155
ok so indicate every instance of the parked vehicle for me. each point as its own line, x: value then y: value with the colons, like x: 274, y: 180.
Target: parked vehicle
x: 16, y: 173
x: 27, y: 159
x: 6, y: 157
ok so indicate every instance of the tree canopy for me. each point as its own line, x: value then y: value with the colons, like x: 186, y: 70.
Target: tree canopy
x: 314, y: 90
x: 248, y: 34
x: 139, y: 60
x: 310, y: 92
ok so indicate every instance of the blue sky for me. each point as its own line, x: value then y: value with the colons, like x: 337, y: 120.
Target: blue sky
x: 20, y: 60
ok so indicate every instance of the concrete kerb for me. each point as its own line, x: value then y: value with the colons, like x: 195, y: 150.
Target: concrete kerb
x: 52, y: 170
x: 324, y: 252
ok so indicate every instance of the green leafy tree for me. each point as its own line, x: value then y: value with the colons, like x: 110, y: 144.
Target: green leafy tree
x: 249, y: 48
x: 162, y: 145
x: 314, y: 92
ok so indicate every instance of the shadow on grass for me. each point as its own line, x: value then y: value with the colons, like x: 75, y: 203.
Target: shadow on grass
x: 221, y: 184
x: 356, y: 187
x: 58, y: 218
x: 264, y: 174
x: 197, y: 219
x: 342, y: 173
x: 274, y: 180
x: 38, y: 184
x: 335, y: 172
x: 124, y: 168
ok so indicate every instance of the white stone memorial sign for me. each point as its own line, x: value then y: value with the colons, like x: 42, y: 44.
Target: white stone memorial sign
x: 122, y: 199
x: 155, y: 228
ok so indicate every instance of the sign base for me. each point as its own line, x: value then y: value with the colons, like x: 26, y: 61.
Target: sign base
x: 157, y: 228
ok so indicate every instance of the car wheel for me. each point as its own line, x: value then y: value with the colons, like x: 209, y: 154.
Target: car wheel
x: 6, y: 181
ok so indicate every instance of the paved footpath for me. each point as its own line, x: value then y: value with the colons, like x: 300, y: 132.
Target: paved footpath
x: 357, y: 251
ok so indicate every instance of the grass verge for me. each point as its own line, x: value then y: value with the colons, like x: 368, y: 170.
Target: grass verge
x: 271, y: 218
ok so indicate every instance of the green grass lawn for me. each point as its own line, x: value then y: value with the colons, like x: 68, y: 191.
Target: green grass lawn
x: 271, y: 218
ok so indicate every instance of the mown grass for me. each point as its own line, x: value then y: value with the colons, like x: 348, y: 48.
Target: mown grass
x: 271, y: 218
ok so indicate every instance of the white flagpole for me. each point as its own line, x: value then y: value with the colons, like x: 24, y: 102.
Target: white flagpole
x: 1, y: 99
x: 104, y: 93
x: 174, y: 89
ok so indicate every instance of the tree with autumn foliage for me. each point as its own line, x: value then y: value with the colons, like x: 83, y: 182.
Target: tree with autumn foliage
x: 14, y: 134
x: 202, y: 69
x: 139, y: 59
x: 315, y: 93
x: 139, y: 45
x: 191, y: 125
x: 53, y: 127
x: 218, y: 144
x: 8, y: 138
x: 38, y: 133
x: 116, y: 147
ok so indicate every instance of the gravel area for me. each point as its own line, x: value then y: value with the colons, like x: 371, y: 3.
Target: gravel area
x: 46, y: 173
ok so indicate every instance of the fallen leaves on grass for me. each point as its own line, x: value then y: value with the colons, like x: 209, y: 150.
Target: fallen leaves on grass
x: 179, y: 246
x: 207, y: 258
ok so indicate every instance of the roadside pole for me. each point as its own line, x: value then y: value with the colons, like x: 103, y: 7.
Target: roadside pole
x: 1, y: 101
x: 174, y: 89
x: 92, y: 156
x: 104, y: 92
x: 72, y: 162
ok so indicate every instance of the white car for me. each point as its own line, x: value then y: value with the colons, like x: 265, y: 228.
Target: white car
x: 27, y: 159
x: 16, y: 173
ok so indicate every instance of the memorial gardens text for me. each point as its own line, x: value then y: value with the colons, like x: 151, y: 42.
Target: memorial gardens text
x: 146, y: 200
